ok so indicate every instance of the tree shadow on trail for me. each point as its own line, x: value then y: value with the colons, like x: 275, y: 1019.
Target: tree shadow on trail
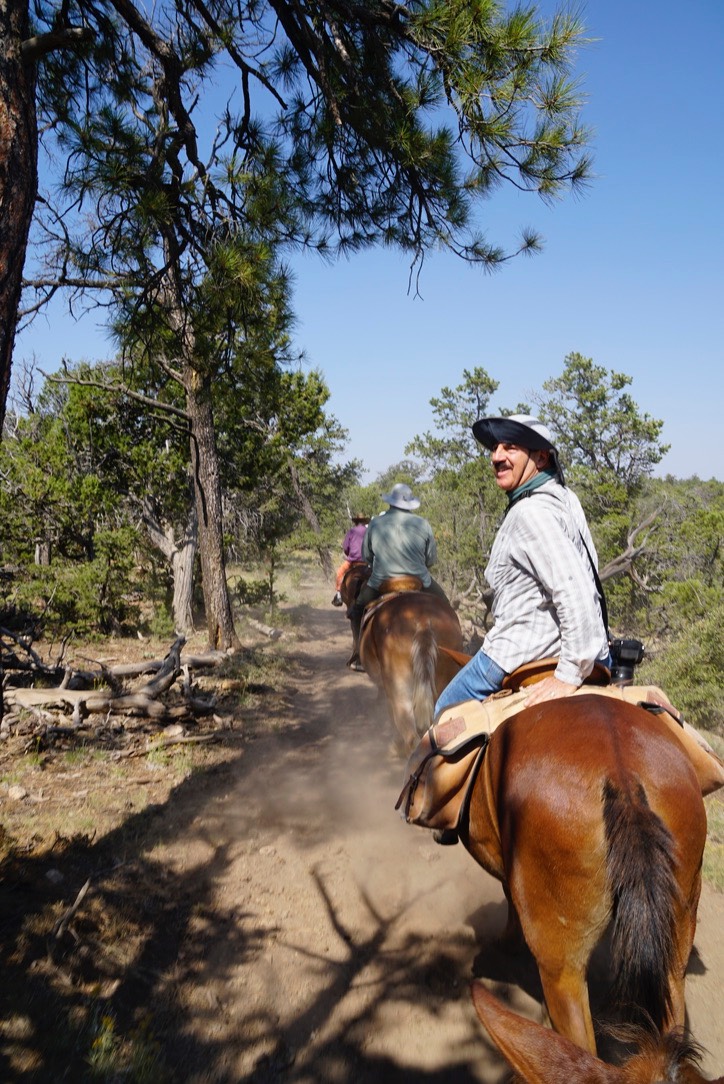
x: 394, y: 973
x: 74, y: 981
x: 144, y: 931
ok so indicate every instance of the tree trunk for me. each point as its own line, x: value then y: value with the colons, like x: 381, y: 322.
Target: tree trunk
x: 42, y: 554
x: 204, y: 462
x: 183, y: 562
x: 205, y: 465
x: 18, y: 183
x: 181, y: 557
x: 18, y: 174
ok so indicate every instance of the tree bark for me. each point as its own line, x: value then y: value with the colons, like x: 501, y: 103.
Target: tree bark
x: 182, y: 564
x: 207, y: 483
x: 18, y: 182
x: 18, y: 174
x: 181, y: 557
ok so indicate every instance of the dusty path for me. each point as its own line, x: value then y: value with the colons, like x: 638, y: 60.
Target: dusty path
x: 332, y: 941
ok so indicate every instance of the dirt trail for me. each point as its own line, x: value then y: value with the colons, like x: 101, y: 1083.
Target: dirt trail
x: 271, y: 918
x: 352, y: 936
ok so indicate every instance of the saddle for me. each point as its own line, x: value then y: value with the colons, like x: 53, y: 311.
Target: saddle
x: 443, y: 767
x: 393, y: 585
x: 531, y: 672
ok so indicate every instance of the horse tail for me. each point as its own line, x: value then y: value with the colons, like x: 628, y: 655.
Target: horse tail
x: 424, y: 662
x: 640, y: 865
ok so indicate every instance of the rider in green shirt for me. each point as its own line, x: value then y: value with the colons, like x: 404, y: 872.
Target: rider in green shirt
x: 397, y: 543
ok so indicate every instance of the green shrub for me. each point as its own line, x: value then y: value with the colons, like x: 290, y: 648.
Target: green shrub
x: 691, y: 671
x: 86, y: 597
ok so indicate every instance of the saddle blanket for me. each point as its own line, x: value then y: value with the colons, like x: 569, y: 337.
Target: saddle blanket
x: 442, y: 769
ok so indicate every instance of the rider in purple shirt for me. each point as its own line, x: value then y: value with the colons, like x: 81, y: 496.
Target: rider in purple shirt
x: 352, y: 549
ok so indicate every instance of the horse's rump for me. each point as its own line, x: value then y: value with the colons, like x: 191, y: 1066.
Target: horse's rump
x: 357, y: 574
x: 399, y: 648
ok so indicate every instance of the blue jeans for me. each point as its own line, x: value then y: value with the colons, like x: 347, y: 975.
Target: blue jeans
x: 478, y: 678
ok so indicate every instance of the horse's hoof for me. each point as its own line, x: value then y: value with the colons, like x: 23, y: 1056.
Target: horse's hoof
x: 337, y: 600
x: 446, y: 837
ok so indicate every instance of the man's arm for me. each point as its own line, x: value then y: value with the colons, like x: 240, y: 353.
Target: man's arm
x: 430, y: 549
x: 367, y: 552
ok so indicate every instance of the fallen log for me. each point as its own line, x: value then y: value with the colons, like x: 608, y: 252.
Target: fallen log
x: 144, y: 700
x: 268, y: 630
x: 163, y: 743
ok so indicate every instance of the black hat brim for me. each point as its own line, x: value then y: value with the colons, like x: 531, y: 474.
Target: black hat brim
x: 491, y: 432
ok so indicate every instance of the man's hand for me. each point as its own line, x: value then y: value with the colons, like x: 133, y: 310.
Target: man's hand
x: 549, y: 688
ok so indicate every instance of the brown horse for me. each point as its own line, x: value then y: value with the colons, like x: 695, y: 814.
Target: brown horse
x: 400, y: 650
x: 539, y: 1056
x: 357, y: 574
x: 352, y: 582
x: 590, y: 813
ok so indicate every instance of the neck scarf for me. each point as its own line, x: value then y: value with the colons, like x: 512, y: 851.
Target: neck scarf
x: 530, y: 486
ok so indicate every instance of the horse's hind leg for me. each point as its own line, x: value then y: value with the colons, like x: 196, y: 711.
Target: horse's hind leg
x: 566, y: 996
x: 562, y: 932
x: 512, y: 936
x: 685, y: 932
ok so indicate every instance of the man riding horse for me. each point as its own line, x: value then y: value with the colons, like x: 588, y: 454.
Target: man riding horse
x: 396, y: 543
x: 352, y: 550
x: 542, y: 571
x: 548, y: 602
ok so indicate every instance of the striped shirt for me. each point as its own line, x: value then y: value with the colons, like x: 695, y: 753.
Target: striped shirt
x: 545, y: 597
x: 399, y: 543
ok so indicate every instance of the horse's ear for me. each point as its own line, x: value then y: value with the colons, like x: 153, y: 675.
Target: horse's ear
x: 538, y: 1055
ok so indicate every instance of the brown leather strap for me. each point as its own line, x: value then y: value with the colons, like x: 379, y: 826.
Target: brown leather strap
x: 458, y: 656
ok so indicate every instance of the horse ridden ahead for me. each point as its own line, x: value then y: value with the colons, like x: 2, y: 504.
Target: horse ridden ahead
x: 402, y: 636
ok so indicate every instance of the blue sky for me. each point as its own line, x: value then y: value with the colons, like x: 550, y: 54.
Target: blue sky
x: 631, y: 275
